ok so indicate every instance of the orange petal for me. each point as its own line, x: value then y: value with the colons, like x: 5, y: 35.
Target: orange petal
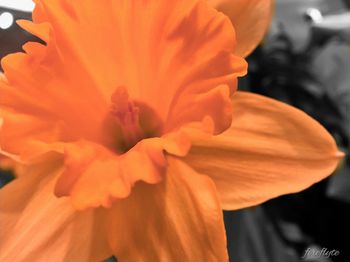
x: 35, y: 225
x: 94, y: 176
x: 251, y: 19
x: 271, y: 149
x: 43, y: 30
x: 164, y: 53
x: 179, y: 219
x: 20, y: 132
x: 34, y: 85
x: 215, y: 104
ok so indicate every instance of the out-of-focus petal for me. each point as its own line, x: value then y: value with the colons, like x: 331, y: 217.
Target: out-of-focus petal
x: 179, y: 219
x: 271, y: 149
x: 37, y: 226
x: 251, y: 19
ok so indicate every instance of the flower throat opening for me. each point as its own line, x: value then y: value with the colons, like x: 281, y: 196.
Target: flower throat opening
x: 135, y: 121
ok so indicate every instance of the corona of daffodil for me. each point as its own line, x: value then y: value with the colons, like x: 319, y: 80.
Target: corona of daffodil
x: 131, y: 135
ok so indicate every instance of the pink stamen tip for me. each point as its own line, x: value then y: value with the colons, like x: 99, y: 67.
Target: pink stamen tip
x: 127, y: 115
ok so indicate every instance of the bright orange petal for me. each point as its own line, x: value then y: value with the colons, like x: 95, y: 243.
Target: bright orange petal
x: 37, y: 226
x: 179, y: 219
x: 271, y: 149
x: 251, y: 19
x: 167, y: 54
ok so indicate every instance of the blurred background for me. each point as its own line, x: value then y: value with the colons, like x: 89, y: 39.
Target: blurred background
x: 303, y: 61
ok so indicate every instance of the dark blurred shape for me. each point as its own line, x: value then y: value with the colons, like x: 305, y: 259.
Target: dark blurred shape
x: 252, y: 238
x: 6, y: 176
x: 111, y: 259
x: 323, y: 221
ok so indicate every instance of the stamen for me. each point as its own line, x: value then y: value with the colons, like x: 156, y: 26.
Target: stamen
x: 127, y: 115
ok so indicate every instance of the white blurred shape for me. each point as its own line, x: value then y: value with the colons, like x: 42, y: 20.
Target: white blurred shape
x: 6, y: 20
x: 22, y: 5
x: 314, y: 14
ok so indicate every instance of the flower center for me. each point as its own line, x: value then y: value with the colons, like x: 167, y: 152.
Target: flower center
x: 134, y: 121
x: 127, y: 116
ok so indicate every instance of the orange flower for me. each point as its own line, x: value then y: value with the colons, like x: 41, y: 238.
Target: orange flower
x: 119, y: 121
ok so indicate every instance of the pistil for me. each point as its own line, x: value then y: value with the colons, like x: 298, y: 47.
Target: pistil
x: 127, y: 115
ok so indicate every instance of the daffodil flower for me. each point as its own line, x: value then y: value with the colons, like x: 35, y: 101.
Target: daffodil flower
x: 132, y: 137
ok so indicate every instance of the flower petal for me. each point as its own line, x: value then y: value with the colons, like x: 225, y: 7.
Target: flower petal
x: 271, y: 149
x: 94, y: 176
x: 29, y: 81
x: 164, y: 53
x: 179, y: 219
x: 37, y: 226
x: 251, y: 19
x: 20, y: 133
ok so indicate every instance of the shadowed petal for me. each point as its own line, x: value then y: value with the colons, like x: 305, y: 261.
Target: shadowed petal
x: 271, y: 149
x: 179, y: 219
